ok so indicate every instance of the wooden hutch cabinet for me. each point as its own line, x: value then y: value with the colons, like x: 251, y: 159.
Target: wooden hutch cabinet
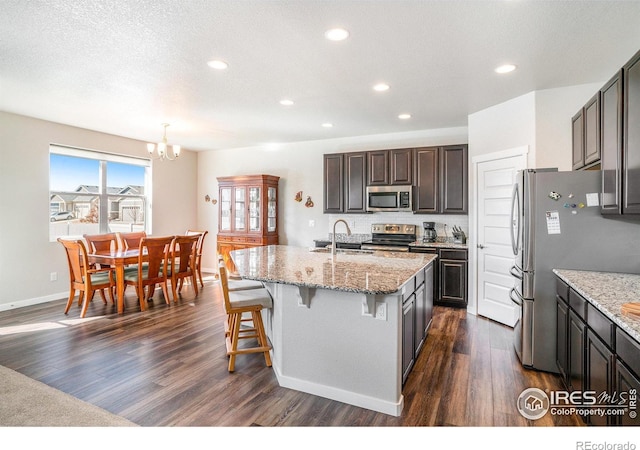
x: 248, y: 213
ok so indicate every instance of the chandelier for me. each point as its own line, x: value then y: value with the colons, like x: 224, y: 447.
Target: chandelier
x: 163, y: 150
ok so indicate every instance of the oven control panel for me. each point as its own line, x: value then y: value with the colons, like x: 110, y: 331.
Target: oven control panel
x: 388, y: 228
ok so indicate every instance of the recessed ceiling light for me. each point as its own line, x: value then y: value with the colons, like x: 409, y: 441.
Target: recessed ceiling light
x: 404, y: 116
x: 327, y: 125
x: 506, y: 68
x: 336, y: 34
x: 286, y: 102
x: 381, y: 87
x: 218, y: 64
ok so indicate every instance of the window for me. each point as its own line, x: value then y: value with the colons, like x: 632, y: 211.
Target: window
x: 92, y: 192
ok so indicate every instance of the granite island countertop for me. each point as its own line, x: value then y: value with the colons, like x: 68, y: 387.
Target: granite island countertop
x: 607, y: 291
x: 377, y: 273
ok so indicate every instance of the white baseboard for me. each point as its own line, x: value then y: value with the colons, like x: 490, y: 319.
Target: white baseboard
x: 33, y: 301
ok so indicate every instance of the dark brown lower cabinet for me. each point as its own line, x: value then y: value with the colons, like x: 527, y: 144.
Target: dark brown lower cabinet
x: 452, y: 268
x: 408, y: 332
x: 627, y: 381
x: 597, y: 357
x: 599, y: 373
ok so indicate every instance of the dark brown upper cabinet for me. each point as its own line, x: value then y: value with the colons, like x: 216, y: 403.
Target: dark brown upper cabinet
x: 355, y: 166
x: 620, y: 141
x: 577, y: 140
x: 344, y: 182
x: 611, y: 145
x: 333, y: 183
x: 585, y: 127
x: 390, y: 167
x: 631, y: 137
x: 441, y: 180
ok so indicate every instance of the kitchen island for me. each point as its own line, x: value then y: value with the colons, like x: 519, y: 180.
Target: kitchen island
x: 339, y: 325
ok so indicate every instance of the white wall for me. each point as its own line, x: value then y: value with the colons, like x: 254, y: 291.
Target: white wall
x: 26, y: 256
x: 300, y: 166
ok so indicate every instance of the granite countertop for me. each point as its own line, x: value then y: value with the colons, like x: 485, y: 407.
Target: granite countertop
x: 607, y: 291
x: 378, y: 273
x: 443, y: 244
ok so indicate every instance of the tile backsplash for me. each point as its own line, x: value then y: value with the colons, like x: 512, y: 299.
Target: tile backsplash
x: 360, y: 224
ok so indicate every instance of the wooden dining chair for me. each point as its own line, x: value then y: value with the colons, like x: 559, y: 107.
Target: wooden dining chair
x: 152, y: 261
x: 237, y: 303
x: 203, y: 234
x: 84, y: 278
x: 130, y: 239
x: 183, y: 263
x: 101, y: 243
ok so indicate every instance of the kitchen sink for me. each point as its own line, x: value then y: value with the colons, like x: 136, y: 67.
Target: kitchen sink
x: 342, y: 251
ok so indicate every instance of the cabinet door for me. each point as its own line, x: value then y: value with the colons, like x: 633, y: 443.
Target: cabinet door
x: 592, y: 130
x: 418, y: 338
x: 254, y: 209
x: 333, y: 186
x: 611, y: 148
x: 577, y: 141
x: 378, y: 168
x: 453, y: 187
x: 598, y: 375
x: 427, y: 180
x: 239, y: 209
x: 575, y: 358
x: 428, y: 297
x: 562, y: 322
x: 631, y: 139
x: 272, y: 209
x: 627, y: 381
x: 225, y: 209
x: 401, y: 161
x: 453, y: 282
x: 408, y: 330
x: 354, y: 186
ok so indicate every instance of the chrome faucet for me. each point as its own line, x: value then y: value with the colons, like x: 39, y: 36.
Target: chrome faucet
x: 333, y: 236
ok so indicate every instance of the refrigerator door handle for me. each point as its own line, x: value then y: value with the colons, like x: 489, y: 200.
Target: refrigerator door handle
x: 515, y: 225
x: 517, y: 299
x: 515, y: 272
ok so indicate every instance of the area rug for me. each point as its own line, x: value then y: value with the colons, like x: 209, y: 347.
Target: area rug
x: 25, y: 402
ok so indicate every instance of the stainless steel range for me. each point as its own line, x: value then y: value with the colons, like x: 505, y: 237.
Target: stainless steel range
x: 390, y: 237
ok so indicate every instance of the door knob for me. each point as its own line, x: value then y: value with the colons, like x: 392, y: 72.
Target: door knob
x: 480, y: 246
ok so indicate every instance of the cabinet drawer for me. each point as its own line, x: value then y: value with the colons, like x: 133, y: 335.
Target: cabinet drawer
x: 601, y: 325
x: 628, y: 350
x: 562, y: 289
x: 453, y: 254
x: 578, y: 304
x: 418, y: 249
x: 253, y: 240
x: 409, y: 289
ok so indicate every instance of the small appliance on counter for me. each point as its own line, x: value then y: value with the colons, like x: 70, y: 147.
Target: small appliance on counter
x: 459, y: 236
x: 430, y: 234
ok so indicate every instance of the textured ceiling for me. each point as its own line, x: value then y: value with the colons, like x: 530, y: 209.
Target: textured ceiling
x: 124, y: 67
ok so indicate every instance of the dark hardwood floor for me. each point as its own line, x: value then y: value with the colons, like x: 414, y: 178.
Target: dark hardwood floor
x: 167, y: 367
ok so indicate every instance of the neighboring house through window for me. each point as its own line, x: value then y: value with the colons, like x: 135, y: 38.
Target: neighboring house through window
x: 92, y: 192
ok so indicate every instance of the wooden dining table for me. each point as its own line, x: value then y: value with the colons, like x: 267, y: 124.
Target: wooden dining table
x: 118, y: 259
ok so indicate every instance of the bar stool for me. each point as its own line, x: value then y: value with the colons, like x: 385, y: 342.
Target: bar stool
x: 235, y: 283
x: 236, y: 303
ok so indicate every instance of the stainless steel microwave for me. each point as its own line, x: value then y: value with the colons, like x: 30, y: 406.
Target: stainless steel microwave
x: 389, y: 198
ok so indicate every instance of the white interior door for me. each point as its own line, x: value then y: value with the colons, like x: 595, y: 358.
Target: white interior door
x: 494, y: 254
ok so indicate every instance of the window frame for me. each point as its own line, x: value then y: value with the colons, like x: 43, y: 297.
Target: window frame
x: 103, y: 194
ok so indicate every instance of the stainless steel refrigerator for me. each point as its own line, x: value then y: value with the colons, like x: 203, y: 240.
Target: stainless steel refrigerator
x: 556, y: 223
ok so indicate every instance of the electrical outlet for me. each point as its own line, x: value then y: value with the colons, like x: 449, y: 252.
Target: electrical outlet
x: 312, y: 223
x: 381, y: 311
x: 53, y: 276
